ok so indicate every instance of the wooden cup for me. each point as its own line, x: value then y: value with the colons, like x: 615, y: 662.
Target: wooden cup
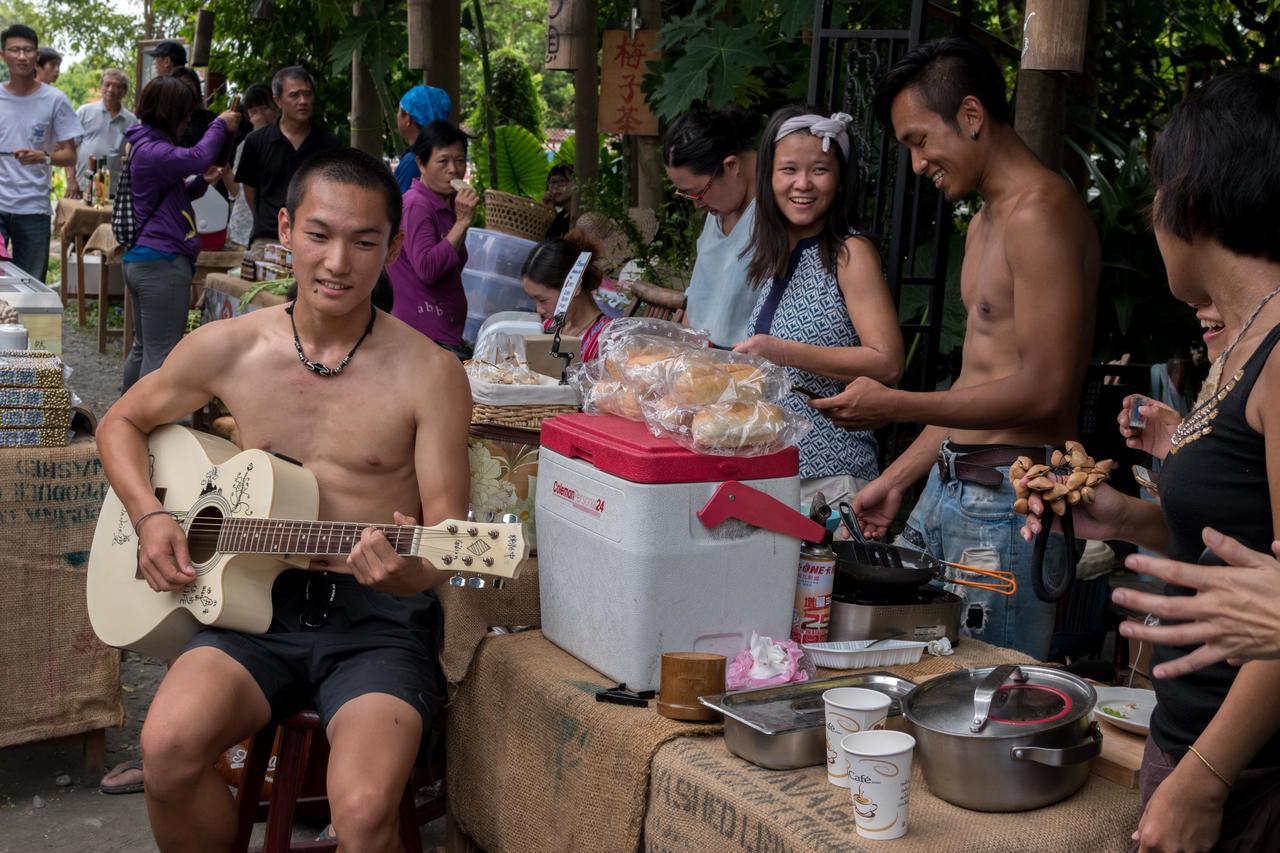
x: 685, y: 677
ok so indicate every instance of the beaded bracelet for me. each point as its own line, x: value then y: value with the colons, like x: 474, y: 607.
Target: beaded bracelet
x: 145, y: 516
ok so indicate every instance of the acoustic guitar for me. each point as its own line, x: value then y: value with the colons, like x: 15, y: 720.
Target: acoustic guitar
x: 249, y: 515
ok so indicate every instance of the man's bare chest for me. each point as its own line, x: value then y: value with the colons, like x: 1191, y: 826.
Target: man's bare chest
x: 986, y: 282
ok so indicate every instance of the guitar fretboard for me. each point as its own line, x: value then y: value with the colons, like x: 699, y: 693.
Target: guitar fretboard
x: 304, y: 538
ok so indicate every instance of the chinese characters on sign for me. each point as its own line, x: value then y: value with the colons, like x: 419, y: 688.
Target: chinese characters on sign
x: 566, y: 48
x: 623, y: 64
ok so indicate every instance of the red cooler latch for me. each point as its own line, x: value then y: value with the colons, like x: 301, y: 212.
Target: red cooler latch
x: 735, y: 500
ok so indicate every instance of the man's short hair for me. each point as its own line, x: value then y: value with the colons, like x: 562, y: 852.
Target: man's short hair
x: 257, y: 95
x: 18, y: 31
x: 346, y: 166
x: 191, y: 78
x: 438, y: 134
x: 945, y: 71
x: 118, y: 74
x: 1215, y: 169
x: 171, y: 50
x: 292, y: 72
x: 45, y: 55
x: 560, y: 170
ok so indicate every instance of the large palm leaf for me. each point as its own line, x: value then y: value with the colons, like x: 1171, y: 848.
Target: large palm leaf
x: 522, y: 162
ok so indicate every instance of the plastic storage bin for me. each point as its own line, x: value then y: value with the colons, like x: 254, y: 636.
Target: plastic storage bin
x: 495, y: 252
x: 487, y: 294
x: 626, y: 571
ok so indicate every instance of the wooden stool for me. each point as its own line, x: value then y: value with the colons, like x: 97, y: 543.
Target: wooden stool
x: 293, y: 764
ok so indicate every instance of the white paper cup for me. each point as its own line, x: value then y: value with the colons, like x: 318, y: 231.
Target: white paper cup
x: 850, y: 710
x: 879, y: 781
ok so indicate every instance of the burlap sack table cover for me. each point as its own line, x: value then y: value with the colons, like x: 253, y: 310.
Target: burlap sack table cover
x: 536, y: 764
x: 58, y: 679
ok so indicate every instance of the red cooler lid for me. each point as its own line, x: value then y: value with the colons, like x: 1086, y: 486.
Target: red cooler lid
x: 628, y: 450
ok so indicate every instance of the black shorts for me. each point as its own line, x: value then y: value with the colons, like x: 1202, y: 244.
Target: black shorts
x: 332, y: 640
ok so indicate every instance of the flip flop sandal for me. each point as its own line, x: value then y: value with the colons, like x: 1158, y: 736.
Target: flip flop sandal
x: 129, y: 788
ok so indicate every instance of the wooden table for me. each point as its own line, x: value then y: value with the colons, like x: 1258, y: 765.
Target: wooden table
x: 528, y: 740
x: 76, y: 221
x: 58, y: 679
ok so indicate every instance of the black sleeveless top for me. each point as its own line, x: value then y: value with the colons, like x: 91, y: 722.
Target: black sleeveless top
x: 1216, y: 477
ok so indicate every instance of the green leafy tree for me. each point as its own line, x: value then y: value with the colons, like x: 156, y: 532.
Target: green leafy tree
x: 514, y: 99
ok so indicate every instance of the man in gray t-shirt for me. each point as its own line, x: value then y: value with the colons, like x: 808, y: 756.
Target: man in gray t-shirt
x: 38, y: 130
x: 104, y: 124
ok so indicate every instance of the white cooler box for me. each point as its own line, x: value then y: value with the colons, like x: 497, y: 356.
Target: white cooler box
x: 627, y: 571
x: 39, y: 307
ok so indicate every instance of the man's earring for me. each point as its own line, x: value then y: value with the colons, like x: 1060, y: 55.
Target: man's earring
x: 973, y: 134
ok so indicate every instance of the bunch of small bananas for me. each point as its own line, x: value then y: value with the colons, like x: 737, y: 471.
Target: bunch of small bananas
x: 1078, y: 474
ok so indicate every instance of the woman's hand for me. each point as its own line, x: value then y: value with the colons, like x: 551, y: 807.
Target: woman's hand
x: 213, y: 174
x: 1101, y: 519
x: 1157, y: 436
x: 1184, y: 815
x: 464, y: 204
x: 231, y: 118
x: 767, y: 347
x: 877, y: 505
x: 1235, y: 613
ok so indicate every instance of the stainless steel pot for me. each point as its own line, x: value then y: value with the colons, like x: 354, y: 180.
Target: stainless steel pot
x: 1005, y: 738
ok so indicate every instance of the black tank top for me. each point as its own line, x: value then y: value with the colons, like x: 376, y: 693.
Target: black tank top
x: 1217, y: 478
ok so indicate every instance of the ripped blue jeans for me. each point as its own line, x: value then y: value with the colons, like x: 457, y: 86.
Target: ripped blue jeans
x: 972, y: 524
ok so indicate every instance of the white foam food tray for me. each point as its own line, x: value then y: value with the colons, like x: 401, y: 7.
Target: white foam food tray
x: 854, y: 654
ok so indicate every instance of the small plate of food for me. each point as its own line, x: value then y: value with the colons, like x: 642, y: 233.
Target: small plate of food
x: 1125, y: 708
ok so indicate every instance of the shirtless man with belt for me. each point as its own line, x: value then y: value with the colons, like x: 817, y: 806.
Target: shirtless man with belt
x: 1029, y: 283
x: 386, y: 439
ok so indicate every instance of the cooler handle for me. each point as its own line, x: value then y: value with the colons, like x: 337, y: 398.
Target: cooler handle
x: 732, y: 499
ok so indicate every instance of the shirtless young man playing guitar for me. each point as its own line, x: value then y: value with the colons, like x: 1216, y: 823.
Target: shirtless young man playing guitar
x: 386, y: 440
x: 1029, y: 284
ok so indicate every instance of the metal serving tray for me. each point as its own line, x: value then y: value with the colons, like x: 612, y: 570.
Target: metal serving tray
x: 782, y: 728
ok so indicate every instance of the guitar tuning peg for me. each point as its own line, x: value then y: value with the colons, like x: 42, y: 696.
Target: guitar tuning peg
x: 458, y: 581
x: 471, y: 515
x: 510, y: 518
x: 476, y: 582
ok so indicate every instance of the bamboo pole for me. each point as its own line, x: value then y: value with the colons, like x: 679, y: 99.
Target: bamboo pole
x: 366, y: 113
x: 586, y: 95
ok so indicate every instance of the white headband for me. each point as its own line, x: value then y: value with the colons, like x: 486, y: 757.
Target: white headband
x: 825, y: 129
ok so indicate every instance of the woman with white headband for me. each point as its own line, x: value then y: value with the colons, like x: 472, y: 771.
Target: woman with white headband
x: 824, y: 311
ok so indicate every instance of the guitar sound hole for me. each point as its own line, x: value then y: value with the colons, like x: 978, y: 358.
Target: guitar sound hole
x: 202, y: 536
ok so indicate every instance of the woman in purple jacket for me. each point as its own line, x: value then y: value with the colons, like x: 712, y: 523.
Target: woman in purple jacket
x: 158, y: 268
x: 427, y: 275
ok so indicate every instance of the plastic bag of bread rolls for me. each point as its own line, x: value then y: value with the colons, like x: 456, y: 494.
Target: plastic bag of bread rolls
x: 742, y: 429
x: 701, y: 377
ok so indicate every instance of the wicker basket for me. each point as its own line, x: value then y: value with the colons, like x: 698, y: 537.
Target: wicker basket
x: 522, y: 417
x: 513, y: 214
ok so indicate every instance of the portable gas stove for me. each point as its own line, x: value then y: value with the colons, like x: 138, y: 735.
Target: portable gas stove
x: 919, y: 614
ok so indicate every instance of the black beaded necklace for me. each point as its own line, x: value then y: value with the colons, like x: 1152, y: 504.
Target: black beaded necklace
x: 315, y: 366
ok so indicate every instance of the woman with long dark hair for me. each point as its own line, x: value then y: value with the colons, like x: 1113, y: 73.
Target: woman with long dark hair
x: 158, y: 268
x: 543, y: 275
x: 824, y: 311
x: 710, y: 157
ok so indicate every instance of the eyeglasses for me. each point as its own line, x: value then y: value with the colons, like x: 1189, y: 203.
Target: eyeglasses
x: 21, y: 51
x: 702, y: 193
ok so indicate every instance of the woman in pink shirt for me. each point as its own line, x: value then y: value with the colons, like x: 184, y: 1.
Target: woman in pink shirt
x: 543, y: 277
x: 427, y: 275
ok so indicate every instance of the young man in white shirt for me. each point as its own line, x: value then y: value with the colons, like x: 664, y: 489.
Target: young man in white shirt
x: 104, y: 124
x: 38, y: 130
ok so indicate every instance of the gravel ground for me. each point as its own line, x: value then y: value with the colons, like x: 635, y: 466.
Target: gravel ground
x: 36, y: 812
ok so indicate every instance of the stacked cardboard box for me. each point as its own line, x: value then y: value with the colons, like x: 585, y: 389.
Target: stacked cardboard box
x: 35, y: 405
x: 270, y: 262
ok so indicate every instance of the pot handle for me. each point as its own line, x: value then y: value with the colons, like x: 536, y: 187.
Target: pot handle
x: 987, y: 690
x: 1078, y: 754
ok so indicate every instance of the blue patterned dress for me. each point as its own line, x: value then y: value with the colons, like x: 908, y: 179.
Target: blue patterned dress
x: 810, y: 309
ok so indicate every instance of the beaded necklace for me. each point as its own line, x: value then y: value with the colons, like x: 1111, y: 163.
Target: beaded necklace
x: 1200, y: 422
x: 318, y: 367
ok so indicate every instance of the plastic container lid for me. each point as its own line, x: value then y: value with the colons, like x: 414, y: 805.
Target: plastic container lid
x: 628, y: 450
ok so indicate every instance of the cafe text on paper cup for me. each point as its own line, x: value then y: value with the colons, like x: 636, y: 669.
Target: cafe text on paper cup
x: 879, y: 781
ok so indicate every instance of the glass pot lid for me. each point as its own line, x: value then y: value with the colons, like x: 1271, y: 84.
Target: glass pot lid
x: 1001, y: 701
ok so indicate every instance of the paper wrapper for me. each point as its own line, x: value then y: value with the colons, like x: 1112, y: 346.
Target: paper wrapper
x: 33, y: 438
x: 35, y: 398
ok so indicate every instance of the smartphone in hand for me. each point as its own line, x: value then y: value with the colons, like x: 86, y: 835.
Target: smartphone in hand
x: 1146, y: 479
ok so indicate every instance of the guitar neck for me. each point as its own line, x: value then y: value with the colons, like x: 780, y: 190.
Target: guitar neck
x: 306, y: 538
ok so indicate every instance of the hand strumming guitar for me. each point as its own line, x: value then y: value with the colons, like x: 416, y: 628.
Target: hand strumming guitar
x: 163, y: 557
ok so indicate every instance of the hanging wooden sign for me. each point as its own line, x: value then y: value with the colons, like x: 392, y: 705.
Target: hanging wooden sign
x: 623, y: 108
x: 567, y: 42
x: 1053, y: 35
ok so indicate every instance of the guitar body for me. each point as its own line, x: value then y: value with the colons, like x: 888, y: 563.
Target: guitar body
x: 204, y: 479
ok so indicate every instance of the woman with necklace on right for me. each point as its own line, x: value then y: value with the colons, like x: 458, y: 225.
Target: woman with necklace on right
x: 1211, y: 769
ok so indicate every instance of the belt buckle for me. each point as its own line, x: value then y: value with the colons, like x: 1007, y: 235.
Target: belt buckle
x: 946, y: 463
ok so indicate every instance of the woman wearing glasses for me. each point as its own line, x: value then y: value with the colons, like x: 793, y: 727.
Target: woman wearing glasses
x: 711, y: 159
x: 824, y: 311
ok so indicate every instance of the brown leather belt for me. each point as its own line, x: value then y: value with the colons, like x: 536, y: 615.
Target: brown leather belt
x: 979, y: 466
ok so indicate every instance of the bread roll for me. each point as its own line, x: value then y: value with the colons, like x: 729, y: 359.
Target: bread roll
x: 614, y: 398
x: 737, y: 426
x: 718, y: 382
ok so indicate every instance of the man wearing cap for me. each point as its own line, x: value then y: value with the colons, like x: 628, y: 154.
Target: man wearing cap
x: 104, y: 123
x: 166, y: 56
x: 420, y: 106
